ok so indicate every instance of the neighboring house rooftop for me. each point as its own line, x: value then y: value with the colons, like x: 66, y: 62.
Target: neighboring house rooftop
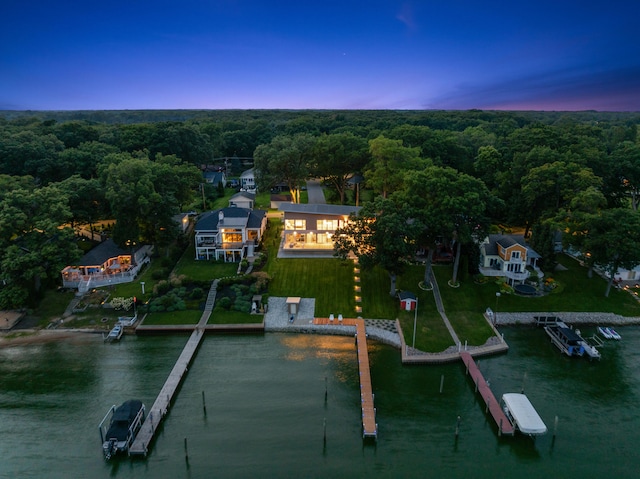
x: 232, y: 216
x: 503, y: 240
x: 101, y: 253
x: 319, y: 209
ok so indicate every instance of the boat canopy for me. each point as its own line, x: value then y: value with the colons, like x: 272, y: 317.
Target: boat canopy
x: 524, y: 416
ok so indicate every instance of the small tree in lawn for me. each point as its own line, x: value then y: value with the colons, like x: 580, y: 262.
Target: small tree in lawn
x: 381, y: 234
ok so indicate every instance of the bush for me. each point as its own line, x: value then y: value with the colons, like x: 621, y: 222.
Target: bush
x: 161, y: 287
x: 224, y: 303
x: 196, y: 293
x: 160, y: 273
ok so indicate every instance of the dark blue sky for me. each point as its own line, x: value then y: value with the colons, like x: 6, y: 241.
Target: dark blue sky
x: 298, y: 54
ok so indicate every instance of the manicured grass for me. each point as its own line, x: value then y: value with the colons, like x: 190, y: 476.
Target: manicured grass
x: 53, y: 304
x: 376, y: 301
x: 201, y: 270
x: 431, y: 333
x: 174, y: 317
x: 328, y: 280
x: 220, y: 316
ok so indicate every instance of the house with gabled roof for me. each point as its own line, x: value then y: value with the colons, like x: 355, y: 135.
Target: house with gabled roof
x: 104, y: 265
x: 507, y: 255
x: 243, y: 199
x: 229, y: 234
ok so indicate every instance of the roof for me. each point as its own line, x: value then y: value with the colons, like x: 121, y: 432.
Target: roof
x: 214, y: 176
x: 237, y: 216
x: 244, y: 194
x: 319, y: 209
x: 101, y: 253
x: 247, y: 173
x: 524, y: 415
x: 407, y: 295
x: 506, y: 241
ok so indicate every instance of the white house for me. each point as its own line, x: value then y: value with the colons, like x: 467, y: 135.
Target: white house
x: 243, y: 199
x: 248, y: 179
x: 507, y: 255
x: 229, y: 234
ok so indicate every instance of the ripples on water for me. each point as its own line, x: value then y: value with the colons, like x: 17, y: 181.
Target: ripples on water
x: 266, y: 410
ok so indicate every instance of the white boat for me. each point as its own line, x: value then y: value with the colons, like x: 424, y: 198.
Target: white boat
x: 522, y: 414
x: 614, y: 334
x: 605, y: 332
x: 115, y: 334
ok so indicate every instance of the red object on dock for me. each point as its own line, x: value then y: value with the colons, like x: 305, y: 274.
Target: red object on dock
x: 504, y: 425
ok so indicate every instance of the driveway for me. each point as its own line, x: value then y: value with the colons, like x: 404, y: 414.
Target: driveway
x: 315, y: 193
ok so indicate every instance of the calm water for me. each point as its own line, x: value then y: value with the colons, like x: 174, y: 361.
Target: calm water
x: 265, y: 409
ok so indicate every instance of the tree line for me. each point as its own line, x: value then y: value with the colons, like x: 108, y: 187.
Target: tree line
x: 451, y: 175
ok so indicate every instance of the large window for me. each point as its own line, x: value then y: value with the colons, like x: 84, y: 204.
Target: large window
x: 330, y: 225
x: 295, y: 224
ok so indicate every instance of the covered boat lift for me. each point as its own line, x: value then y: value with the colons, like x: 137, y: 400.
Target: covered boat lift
x: 522, y: 414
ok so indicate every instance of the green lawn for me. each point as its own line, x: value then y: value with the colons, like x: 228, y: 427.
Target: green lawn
x: 329, y: 281
x: 220, y: 316
x: 174, y: 317
x: 201, y: 270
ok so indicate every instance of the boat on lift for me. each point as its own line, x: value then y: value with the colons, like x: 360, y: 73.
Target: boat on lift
x: 124, y: 422
x: 522, y: 414
x: 115, y: 334
x: 614, y: 334
x: 604, y: 332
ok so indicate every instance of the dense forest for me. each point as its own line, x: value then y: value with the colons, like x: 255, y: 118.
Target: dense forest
x: 451, y: 175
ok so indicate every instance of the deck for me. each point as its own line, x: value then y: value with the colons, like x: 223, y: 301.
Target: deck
x: 158, y: 411
x: 493, y: 406
x: 369, y: 426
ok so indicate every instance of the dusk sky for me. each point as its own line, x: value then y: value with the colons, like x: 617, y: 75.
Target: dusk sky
x: 308, y: 54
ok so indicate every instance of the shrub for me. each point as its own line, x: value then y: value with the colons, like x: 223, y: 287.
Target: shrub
x: 161, y: 287
x: 160, y: 273
x: 196, y: 293
x: 224, y: 303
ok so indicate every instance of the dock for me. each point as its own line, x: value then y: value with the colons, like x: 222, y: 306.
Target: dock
x: 369, y: 425
x: 493, y: 406
x: 158, y: 411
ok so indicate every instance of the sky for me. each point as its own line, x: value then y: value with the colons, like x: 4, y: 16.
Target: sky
x: 330, y: 54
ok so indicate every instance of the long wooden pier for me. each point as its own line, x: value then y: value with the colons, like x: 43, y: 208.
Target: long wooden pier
x: 158, y: 411
x: 369, y: 425
x: 504, y: 425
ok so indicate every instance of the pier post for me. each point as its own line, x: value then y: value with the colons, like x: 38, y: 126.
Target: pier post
x: 524, y: 378
x: 441, y: 383
x: 204, y: 404
x: 555, y: 426
x: 324, y: 427
x: 457, y: 427
x: 186, y: 451
x: 486, y: 410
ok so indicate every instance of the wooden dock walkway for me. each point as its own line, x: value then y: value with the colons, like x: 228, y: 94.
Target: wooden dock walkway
x: 158, y: 411
x: 493, y: 406
x: 369, y: 425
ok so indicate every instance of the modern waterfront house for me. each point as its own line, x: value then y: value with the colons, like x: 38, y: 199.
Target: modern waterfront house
x: 310, y: 227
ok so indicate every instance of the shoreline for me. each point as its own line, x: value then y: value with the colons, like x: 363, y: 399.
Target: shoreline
x: 279, y: 323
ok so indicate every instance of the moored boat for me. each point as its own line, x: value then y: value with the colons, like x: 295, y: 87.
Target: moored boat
x: 569, y: 341
x: 614, y: 334
x: 115, y: 334
x: 522, y: 414
x: 124, y: 422
x: 605, y: 332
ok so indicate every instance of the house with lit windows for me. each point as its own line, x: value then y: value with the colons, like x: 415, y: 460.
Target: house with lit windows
x: 508, y: 256
x: 309, y: 228
x: 229, y: 234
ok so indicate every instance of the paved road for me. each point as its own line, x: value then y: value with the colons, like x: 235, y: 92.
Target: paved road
x: 315, y: 193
